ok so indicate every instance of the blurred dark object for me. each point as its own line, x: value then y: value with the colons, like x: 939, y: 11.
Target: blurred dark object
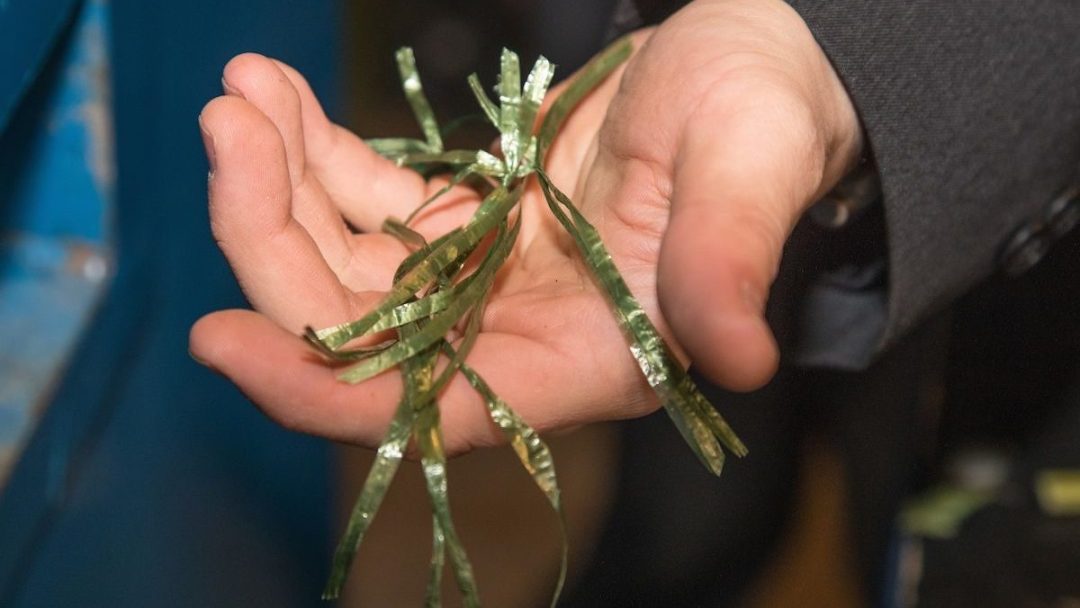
x: 1022, y: 548
x: 1015, y: 356
x: 1008, y: 554
x: 1014, y: 386
x: 1005, y: 557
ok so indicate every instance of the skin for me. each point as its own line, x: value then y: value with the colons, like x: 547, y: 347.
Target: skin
x: 694, y: 162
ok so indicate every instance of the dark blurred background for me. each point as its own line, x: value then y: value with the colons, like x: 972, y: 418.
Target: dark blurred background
x: 453, y: 39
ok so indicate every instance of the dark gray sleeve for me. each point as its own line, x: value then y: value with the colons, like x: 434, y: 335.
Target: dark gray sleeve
x: 972, y: 111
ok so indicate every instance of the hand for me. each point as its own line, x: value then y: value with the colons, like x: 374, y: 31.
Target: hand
x: 694, y: 162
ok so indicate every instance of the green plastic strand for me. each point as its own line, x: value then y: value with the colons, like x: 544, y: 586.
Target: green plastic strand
x: 414, y: 93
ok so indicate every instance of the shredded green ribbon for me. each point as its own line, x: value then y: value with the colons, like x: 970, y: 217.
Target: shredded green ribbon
x: 433, y: 293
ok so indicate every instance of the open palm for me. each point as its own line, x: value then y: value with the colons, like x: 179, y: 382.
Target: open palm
x: 693, y: 163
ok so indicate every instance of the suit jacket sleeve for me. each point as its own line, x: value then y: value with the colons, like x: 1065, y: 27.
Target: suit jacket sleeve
x: 972, y: 112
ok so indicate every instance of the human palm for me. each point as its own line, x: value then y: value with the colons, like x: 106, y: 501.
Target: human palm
x: 693, y: 162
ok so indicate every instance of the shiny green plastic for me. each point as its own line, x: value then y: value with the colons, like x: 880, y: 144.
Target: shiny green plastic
x: 433, y: 294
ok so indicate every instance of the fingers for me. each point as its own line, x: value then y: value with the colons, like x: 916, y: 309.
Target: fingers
x: 338, y: 174
x: 259, y: 80
x: 365, y: 187
x: 252, y: 351
x: 262, y: 83
x: 277, y: 263
x: 289, y: 381
x: 744, y: 172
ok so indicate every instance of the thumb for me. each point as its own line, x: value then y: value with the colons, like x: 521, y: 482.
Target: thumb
x: 744, y: 172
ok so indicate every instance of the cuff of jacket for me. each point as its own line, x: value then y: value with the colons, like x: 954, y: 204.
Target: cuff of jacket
x: 973, y: 116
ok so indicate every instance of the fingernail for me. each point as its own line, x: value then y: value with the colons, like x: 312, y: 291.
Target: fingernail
x: 208, y: 143
x: 231, y: 90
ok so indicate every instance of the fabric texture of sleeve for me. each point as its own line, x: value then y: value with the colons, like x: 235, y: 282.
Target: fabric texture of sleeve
x: 972, y: 112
